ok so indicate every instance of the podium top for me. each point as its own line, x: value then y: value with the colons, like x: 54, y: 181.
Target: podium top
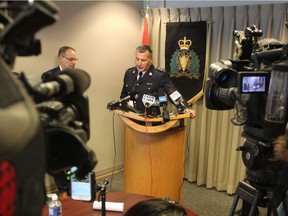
x: 131, y: 120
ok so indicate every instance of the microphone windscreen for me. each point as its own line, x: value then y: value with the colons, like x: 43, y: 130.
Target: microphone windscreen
x: 80, y: 78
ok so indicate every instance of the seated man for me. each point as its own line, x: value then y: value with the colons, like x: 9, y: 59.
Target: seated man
x: 66, y: 59
x: 155, y: 207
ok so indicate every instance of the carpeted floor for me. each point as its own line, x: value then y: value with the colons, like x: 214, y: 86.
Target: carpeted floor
x: 203, y: 201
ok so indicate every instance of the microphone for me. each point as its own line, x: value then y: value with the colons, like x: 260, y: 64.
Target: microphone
x: 115, y: 104
x: 163, y: 103
x: 132, y: 97
x: 72, y: 82
x: 178, y: 100
x: 80, y: 78
x: 148, y: 100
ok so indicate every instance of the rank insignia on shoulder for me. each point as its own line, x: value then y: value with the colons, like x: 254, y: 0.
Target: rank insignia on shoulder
x: 160, y: 69
x: 131, y: 69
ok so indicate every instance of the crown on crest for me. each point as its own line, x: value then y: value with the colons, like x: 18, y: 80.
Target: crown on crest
x: 184, y: 44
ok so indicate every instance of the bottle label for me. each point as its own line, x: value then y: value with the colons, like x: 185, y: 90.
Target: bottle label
x: 56, y: 211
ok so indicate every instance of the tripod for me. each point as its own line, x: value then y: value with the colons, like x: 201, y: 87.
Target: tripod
x: 252, y: 198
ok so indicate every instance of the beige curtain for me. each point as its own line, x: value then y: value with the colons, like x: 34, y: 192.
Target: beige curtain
x: 212, y: 159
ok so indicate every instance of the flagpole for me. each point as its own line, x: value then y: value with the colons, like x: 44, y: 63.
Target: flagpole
x: 145, y: 36
x: 147, y: 8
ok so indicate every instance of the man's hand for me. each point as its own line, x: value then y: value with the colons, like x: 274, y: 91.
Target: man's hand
x: 191, y: 112
x: 280, y: 149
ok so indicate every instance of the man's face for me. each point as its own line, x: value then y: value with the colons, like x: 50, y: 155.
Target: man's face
x: 68, y: 60
x: 143, y: 61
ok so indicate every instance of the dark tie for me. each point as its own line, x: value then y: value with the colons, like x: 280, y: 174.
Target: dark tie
x: 140, y: 75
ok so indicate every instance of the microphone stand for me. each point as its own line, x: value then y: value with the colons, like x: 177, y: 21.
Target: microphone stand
x: 165, y: 114
x: 103, y: 192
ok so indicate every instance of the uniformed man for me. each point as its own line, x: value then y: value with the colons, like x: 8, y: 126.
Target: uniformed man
x: 144, y: 78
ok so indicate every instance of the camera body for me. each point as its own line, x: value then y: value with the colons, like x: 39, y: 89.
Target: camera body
x: 254, y: 83
x: 39, y: 133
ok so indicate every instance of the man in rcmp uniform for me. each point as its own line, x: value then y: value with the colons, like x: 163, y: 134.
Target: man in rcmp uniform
x: 144, y: 78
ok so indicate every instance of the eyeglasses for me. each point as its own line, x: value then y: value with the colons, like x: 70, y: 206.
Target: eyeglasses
x: 70, y: 59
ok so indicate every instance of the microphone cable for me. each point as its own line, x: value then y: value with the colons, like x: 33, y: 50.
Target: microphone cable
x: 149, y: 149
x: 115, y: 152
x: 188, y: 155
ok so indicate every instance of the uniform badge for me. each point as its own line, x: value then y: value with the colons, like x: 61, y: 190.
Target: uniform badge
x: 185, y: 62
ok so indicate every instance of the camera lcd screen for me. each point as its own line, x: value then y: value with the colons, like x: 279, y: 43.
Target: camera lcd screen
x: 253, y: 82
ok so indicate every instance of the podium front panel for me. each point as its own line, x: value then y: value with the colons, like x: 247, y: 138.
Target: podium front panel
x: 154, y: 162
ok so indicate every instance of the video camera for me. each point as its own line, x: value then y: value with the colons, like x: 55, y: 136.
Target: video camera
x: 44, y: 127
x: 255, y: 84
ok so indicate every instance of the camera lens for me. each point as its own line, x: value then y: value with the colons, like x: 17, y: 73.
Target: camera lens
x: 224, y: 76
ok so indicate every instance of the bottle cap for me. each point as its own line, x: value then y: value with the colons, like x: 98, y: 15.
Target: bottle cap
x: 54, y: 197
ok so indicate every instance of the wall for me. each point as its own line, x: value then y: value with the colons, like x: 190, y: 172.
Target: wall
x: 105, y: 35
x: 195, y: 4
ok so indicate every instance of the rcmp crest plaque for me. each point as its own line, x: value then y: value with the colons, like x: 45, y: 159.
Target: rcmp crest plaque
x: 185, y: 57
x: 184, y: 62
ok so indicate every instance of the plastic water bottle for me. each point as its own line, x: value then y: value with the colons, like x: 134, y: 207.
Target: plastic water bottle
x: 55, y: 206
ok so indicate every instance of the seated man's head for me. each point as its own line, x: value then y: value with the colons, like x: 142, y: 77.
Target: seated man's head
x: 67, y: 57
x: 156, y: 207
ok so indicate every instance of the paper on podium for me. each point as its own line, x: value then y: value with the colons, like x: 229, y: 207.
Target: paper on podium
x: 109, y: 206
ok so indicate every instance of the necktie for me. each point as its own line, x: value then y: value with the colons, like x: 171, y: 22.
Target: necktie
x: 140, y: 75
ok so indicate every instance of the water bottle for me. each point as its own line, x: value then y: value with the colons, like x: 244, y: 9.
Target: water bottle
x: 55, y: 206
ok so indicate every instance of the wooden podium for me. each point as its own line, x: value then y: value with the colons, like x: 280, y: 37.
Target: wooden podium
x: 154, y: 155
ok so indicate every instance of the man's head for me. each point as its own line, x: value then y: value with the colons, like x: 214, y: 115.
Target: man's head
x: 143, y: 58
x: 155, y: 206
x: 67, y: 57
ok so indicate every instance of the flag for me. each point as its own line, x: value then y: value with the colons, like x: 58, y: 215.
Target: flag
x: 185, y: 52
x: 145, y: 36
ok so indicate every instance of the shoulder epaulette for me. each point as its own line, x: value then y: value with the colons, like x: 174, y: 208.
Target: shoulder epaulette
x: 132, y: 68
x: 160, y: 69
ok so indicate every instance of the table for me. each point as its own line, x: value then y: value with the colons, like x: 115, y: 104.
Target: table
x: 78, y: 208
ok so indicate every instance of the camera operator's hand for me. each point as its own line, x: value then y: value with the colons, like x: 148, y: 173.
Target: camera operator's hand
x: 191, y: 112
x: 281, y: 149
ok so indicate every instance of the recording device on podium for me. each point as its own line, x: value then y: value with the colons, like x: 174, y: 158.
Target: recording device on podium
x: 123, y: 103
x: 148, y: 100
x: 152, y: 102
x: 156, y: 101
x: 163, y: 103
x: 178, y: 101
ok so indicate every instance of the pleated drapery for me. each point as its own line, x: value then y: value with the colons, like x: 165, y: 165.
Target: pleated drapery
x: 212, y: 140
